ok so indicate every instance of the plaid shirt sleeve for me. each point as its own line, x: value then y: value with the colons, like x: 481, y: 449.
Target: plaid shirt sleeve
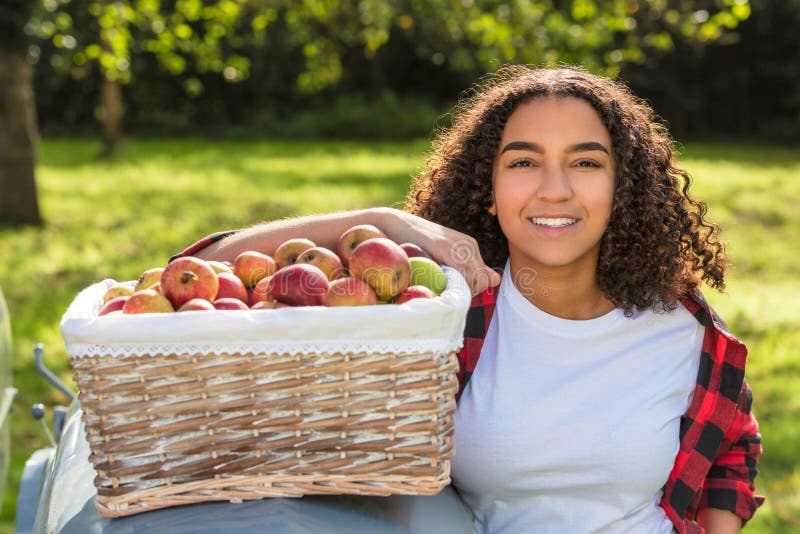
x: 729, y: 484
x: 197, y: 246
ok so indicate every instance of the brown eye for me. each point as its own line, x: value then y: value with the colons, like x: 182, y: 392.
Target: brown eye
x: 521, y: 163
x: 588, y: 163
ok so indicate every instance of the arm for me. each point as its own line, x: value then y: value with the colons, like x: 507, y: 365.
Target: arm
x: 717, y: 521
x: 445, y: 245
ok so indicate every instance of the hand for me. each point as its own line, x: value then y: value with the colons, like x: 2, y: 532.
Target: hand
x: 445, y: 245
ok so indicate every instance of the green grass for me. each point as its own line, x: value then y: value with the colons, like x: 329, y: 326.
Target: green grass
x: 116, y: 218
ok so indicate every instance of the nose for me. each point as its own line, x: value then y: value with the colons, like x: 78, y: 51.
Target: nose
x: 555, y: 185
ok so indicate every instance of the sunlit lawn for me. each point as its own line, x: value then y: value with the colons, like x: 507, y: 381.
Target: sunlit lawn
x: 114, y: 219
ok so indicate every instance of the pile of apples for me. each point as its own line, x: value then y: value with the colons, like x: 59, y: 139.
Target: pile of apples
x: 368, y: 268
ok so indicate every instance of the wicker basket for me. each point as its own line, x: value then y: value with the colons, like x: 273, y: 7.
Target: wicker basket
x: 269, y: 403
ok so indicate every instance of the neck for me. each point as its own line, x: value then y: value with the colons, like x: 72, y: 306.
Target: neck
x: 569, y: 293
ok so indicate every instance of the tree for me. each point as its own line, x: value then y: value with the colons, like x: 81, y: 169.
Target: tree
x: 18, y: 136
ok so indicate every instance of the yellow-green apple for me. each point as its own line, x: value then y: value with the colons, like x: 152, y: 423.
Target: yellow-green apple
x: 353, y: 237
x: 196, y: 305
x: 300, y: 284
x: 327, y: 261
x: 428, y: 273
x: 113, y: 305
x: 290, y: 250
x: 231, y: 287
x: 118, y: 290
x: 227, y: 303
x: 147, y: 301
x: 251, y: 266
x: 350, y: 292
x: 219, y: 267
x: 414, y: 251
x: 189, y: 278
x: 148, y: 278
x: 414, y: 292
x: 268, y: 305
x: 382, y: 264
x: 259, y: 292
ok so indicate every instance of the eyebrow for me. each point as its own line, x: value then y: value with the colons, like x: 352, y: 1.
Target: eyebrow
x: 586, y: 146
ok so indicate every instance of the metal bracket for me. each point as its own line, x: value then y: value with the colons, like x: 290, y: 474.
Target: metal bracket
x: 38, y: 350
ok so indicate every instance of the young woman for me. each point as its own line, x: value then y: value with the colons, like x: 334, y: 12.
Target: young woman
x: 599, y: 392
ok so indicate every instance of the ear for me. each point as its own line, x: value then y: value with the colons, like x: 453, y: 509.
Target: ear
x: 493, y: 208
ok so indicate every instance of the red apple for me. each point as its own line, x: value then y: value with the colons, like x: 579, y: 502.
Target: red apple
x: 251, y: 266
x: 350, y: 292
x: 298, y: 285
x: 119, y: 290
x: 231, y: 287
x: 415, y: 292
x: 147, y: 301
x: 413, y: 251
x: 258, y: 293
x: 189, y: 278
x: 117, y: 303
x: 227, y: 303
x: 327, y: 261
x: 290, y: 250
x: 196, y: 305
x: 148, y: 278
x: 382, y: 264
x: 353, y: 237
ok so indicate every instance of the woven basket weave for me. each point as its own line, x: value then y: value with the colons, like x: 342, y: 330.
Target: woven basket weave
x: 178, y: 427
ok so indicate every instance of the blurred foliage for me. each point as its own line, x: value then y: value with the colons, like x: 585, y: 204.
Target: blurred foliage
x: 709, y: 67
x: 471, y: 35
x: 290, y: 49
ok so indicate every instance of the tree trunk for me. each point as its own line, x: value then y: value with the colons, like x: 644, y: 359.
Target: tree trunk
x: 111, y: 94
x: 18, y: 137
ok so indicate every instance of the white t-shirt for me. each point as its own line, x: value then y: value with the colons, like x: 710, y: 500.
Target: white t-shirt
x: 573, y: 426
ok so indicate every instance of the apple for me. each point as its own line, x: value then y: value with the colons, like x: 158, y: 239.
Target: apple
x: 350, y: 292
x: 382, y: 264
x: 156, y: 287
x: 227, y: 303
x: 353, y: 237
x: 119, y: 290
x: 251, y: 266
x: 189, y: 278
x: 220, y: 267
x: 414, y: 292
x: 414, y: 251
x: 148, y: 278
x: 230, y: 287
x: 298, y: 285
x: 268, y: 305
x: 258, y: 293
x: 290, y: 250
x: 115, y: 304
x: 327, y: 261
x: 428, y: 273
x: 196, y: 305
x: 147, y: 301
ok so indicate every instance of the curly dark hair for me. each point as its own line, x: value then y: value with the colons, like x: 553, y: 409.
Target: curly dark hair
x: 658, y: 244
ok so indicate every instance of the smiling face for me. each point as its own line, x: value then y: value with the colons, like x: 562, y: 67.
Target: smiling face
x: 553, y: 184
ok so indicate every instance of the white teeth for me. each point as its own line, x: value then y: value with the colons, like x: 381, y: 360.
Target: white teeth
x: 554, y: 222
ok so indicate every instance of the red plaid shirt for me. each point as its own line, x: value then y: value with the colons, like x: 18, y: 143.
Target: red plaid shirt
x: 719, y: 439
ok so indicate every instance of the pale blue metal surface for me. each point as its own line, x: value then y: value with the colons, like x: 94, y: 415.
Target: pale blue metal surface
x: 67, y: 506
